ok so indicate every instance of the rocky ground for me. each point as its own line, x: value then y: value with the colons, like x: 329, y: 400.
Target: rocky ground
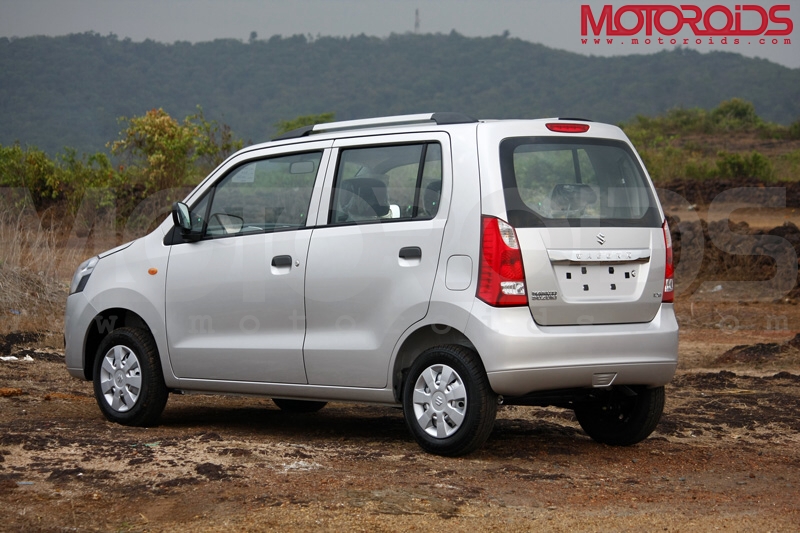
x: 726, y: 455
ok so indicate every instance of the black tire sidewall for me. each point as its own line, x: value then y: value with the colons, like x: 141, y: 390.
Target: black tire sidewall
x: 481, y: 401
x: 153, y: 393
x: 299, y: 406
x: 644, y: 417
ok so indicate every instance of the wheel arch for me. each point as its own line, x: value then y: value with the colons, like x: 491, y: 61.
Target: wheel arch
x: 417, y: 342
x: 101, y: 326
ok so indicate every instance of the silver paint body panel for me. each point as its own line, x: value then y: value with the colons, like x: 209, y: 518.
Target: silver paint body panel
x: 343, y: 320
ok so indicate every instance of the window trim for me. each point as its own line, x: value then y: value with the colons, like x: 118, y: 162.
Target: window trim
x: 210, y: 190
x: 424, y: 142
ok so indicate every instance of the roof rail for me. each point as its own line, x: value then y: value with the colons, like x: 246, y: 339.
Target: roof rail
x: 397, y: 120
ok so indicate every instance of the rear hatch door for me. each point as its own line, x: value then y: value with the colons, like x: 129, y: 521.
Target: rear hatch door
x: 589, y: 228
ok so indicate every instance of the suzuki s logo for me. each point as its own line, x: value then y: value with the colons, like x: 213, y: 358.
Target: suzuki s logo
x: 601, y: 239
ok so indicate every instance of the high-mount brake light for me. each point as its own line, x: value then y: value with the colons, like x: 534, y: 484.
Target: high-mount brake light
x: 567, y: 127
x: 501, y: 281
x: 669, y: 270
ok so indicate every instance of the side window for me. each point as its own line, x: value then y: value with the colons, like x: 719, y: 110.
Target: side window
x: 385, y: 183
x: 264, y: 195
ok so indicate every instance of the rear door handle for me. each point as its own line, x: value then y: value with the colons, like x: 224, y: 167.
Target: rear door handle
x: 411, y: 252
x: 282, y: 261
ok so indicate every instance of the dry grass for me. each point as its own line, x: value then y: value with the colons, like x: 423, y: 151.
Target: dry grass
x: 35, y: 272
x: 40, y: 252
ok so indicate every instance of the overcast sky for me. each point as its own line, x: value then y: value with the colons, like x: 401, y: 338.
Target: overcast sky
x: 555, y: 23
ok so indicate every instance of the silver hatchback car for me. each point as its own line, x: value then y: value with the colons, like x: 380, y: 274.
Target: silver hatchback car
x: 435, y: 262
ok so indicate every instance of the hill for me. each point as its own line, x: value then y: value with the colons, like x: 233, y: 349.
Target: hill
x: 70, y: 91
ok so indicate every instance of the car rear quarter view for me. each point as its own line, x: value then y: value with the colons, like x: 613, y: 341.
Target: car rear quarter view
x: 434, y: 262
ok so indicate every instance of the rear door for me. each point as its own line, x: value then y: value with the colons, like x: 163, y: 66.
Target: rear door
x: 589, y: 228
x: 373, y: 255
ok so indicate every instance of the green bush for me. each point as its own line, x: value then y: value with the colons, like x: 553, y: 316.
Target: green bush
x: 735, y: 115
x: 699, y: 169
x: 788, y: 165
x: 730, y: 116
x: 285, y: 126
x: 77, y: 176
x: 738, y: 165
x: 680, y: 144
x: 794, y: 130
x: 64, y: 179
x: 30, y: 168
x: 162, y: 153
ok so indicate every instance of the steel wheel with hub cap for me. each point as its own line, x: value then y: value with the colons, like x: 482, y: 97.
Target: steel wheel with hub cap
x: 128, y: 382
x: 447, y: 401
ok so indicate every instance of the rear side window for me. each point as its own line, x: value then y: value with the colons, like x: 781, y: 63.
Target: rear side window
x: 387, y: 183
x: 557, y: 181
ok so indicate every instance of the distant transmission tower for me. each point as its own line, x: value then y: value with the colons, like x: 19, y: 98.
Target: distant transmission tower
x: 416, y: 20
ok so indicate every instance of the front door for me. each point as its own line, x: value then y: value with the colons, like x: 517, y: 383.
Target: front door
x: 235, y: 298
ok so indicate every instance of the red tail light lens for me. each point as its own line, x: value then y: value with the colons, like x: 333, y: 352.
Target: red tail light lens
x: 669, y: 271
x: 567, y: 127
x: 501, y: 281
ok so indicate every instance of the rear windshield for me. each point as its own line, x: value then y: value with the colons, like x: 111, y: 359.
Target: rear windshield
x: 557, y: 181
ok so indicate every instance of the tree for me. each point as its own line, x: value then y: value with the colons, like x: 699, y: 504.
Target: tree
x: 164, y: 153
x: 158, y: 148
x: 29, y: 168
x: 214, y: 142
x: 284, y: 126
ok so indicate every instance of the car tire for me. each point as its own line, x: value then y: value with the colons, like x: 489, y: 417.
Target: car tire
x: 128, y: 381
x: 448, y: 404
x: 298, y: 406
x: 620, y: 418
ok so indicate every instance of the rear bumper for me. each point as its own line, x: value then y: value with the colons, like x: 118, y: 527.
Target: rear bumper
x: 521, y: 357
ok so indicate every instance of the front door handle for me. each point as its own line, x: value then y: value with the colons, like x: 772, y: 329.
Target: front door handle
x: 411, y: 252
x: 282, y: 261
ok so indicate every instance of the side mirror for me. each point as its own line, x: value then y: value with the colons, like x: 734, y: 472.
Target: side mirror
x: 181, y: 217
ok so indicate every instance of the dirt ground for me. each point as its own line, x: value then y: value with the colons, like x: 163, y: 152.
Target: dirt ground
x: 726, y: 455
